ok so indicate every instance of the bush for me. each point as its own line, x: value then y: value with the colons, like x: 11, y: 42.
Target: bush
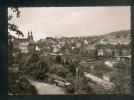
x: 32, y: 58
x: 35, y: 67
x: 20, y: 85
x: 59, y: 70
x: 58, y: 59
x: 70, y: 89
x: 25, y: 86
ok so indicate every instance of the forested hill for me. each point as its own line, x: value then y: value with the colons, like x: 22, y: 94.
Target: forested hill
x: 120, y: 35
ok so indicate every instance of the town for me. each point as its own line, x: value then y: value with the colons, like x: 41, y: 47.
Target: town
x: 77, y: 65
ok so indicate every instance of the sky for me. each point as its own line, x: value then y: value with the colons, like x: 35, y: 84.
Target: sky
x: 72, y: 21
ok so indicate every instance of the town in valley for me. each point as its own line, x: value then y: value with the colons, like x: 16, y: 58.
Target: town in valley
x: 99, y: 64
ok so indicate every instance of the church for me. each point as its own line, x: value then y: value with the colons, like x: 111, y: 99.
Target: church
x: 25, y: 44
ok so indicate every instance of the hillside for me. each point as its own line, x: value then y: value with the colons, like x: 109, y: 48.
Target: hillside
x: 118, y: 35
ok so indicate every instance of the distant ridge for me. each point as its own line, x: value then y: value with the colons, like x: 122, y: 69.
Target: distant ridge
x: 120, y: 35
x: 117, y: 35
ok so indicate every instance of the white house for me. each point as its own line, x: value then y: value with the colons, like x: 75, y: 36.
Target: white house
x: 73, y: 48
x: 108, y: 63
x: 100, y: 52
x: 115, y: 42
x: 104, y: 41
x: 85, y: 42
x: 37, y: 48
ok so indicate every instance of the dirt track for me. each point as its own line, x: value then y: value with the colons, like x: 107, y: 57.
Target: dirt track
x: 44, y: 88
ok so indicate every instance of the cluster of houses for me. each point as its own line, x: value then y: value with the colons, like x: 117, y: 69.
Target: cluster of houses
x: 66, y: 45
x: 105, y: 72
x: 114, y: 41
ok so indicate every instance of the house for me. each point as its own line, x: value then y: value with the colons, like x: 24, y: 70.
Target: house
x: 116, y: 42
x: 73, y: 48
x: 108, y: 52
x: 113, y: 42
x: 55, y: 50
x: 78, y: 45
x: 23, y: 47
x: 85, y: 42
x: 50, y: 41
x: 103, y: 41
x: 108, y: 63
x: 100, y: 52
x: 124, y: 42
x: 90, y: 47
x: 37, y: 48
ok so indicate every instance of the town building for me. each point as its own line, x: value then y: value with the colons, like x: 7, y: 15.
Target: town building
x: 103, y: 41
x: 100, y: 52
x: 116, y: 42
x: 25, y: 44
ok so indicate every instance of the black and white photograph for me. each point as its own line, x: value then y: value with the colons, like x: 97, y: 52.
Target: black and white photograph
x: 69, y: 50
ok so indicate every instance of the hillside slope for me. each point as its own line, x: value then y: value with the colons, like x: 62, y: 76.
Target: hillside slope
x: 118, y: 35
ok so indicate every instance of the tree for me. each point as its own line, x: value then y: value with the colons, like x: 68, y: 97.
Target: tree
x: 32, y: 58
x: 72, y: 67
x: 31, y: 68
x: 96, y: 54
x: 59, y: 70
x: 69, y: 77
x: 10, y: 54
x: 18, y: 84
x: 113, y: 53
x: 117, y: 36
x: 11, y: 26
x: 58, y: 59
x: 42, y: 69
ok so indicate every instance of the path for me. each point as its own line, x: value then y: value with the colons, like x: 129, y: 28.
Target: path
x: 45, y: 88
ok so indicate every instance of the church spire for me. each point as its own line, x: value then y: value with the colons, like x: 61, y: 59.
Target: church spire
x: 28, y: 35
x: 31, y: 36
x: 31, y: 32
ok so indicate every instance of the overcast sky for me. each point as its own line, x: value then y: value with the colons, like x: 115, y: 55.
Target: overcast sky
x: 72, y: 21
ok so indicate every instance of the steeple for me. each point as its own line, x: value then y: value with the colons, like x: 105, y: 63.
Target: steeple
x: 28, y: 35
x: 31, y: 36
x: 31, y: 32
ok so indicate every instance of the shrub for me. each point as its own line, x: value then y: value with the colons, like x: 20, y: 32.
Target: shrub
x: 58, y: 59
x: 20, y: 85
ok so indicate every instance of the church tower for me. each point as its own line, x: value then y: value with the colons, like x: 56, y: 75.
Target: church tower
x: 31, y: 37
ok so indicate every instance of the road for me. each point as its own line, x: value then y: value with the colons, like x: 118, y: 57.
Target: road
x: 45, y: 88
